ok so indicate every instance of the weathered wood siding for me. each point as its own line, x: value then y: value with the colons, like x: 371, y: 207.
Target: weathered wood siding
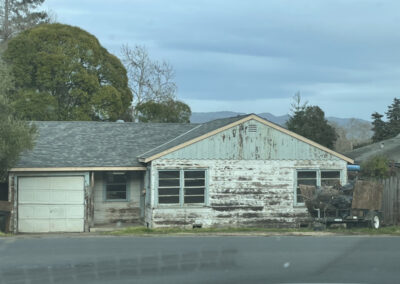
x: 239, y: 143
x: 240, y: 193
x: 111, y: 212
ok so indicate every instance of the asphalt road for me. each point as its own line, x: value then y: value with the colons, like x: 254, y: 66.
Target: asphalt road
x: 94, y: 259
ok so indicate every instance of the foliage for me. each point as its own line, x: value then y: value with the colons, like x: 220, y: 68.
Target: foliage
x: 166, y: 111
x: 375, y: 167
x: 63, y: 73
x: 16, y: 136
x: 390, y: 128
x: 149, y: 80
x: 19, y: 15
x: 310, y: 122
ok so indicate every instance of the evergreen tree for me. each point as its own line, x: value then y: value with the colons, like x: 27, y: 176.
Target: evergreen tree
x: 310, y: 122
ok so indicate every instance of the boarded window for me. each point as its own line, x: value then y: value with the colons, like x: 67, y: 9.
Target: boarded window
x: 191, y: 191
x: 116, y: 186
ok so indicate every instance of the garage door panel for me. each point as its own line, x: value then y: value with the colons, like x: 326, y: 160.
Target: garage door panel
x: 33, y: 211
x: 66, y: 211
x: 34, y: 196
x: 66, y: 197
x: 62, y: 225
x: 51, y: 204
x: 33, y: 225
x: 74, y: 183
x: 31, y: 183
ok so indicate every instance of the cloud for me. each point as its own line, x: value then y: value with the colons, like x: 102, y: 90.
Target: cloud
x: 340, y: 54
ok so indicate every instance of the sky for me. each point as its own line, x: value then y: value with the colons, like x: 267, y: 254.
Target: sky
x: 253, y: 56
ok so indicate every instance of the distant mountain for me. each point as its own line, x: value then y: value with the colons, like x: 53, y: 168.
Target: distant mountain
x: 200, y: 117
x: 356, y: 128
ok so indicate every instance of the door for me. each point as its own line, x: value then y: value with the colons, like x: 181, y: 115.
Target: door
x: 51, y: 204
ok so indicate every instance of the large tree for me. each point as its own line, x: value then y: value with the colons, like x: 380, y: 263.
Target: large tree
x: 16, y: 136
x: 149, y: 80
x: 310, y: 122
x: 166, y: 111
x: 390, y: 128
x: 63, y: 73
x: 19, y: 15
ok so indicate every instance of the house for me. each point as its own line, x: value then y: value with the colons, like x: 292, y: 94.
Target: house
x: 238, y: 171
x: 389, y: 148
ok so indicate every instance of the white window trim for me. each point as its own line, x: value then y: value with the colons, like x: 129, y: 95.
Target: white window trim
x: 318, y: 171
x: 181, y: 189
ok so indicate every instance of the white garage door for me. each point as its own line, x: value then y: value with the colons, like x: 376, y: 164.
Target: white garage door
x: 51, y: 204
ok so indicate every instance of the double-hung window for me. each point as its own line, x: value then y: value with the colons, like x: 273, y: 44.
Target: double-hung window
x: 116, y: 187
x: 316, y: 178
x: 181, y: 187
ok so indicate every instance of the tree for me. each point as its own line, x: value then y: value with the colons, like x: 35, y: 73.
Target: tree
x: 166, y: 111
x: 310, y: 122
x: 19, y: 15
x: 16, y: 136
x: 387, y: 129
x: 379, y: 127
x: 63, y: 73
x: 375, y: 167
x: 393, y: 116
x: 149, y: 80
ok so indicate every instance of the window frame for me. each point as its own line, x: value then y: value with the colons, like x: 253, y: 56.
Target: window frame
x: 105, y: 184
x: 182, y: 189
x: 318, y: 177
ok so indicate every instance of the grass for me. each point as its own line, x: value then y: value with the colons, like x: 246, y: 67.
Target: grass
x: 166, y: 231
x: 393, y: 230
x: 390, y: 230
x: 3, y: 234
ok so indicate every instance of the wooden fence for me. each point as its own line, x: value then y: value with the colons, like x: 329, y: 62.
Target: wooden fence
x: 391, y: 200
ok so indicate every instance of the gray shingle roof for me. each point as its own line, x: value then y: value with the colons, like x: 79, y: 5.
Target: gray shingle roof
x: 96, y: 144
x: 389, y: 148
x: 197, y: 131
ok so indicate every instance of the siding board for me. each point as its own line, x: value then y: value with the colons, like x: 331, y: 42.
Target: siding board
x: 237, y: 143
x: 241, y: 193
x: 111, y: 212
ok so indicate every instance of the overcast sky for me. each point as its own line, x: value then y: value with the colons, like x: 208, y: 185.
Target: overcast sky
x: 253, y: 56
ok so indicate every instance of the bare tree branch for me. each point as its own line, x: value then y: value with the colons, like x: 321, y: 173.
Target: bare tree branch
x: 149, y: 80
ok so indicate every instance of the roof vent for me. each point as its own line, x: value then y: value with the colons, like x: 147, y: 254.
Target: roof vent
x: 253, y: 128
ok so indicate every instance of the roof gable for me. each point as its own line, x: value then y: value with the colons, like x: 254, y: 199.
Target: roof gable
x: 199, y: 134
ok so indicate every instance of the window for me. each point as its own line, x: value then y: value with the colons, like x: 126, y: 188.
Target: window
x: 194, y: 186
x: 330, y: 178
x: 316, y: 178
x: 181, y: 187
x: 307, y: 178
x: 116, y: 188
x: 168, y: 187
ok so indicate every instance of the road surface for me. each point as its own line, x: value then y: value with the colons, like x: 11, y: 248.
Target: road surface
x: 214, y: 259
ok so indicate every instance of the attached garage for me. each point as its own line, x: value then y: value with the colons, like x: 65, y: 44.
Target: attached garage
x: 51, y: 204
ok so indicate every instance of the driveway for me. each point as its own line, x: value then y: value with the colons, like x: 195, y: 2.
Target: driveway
x: 221, y: 259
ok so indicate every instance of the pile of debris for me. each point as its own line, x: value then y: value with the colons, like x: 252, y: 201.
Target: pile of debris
x: 339, y: 200
x: 320, y: 200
